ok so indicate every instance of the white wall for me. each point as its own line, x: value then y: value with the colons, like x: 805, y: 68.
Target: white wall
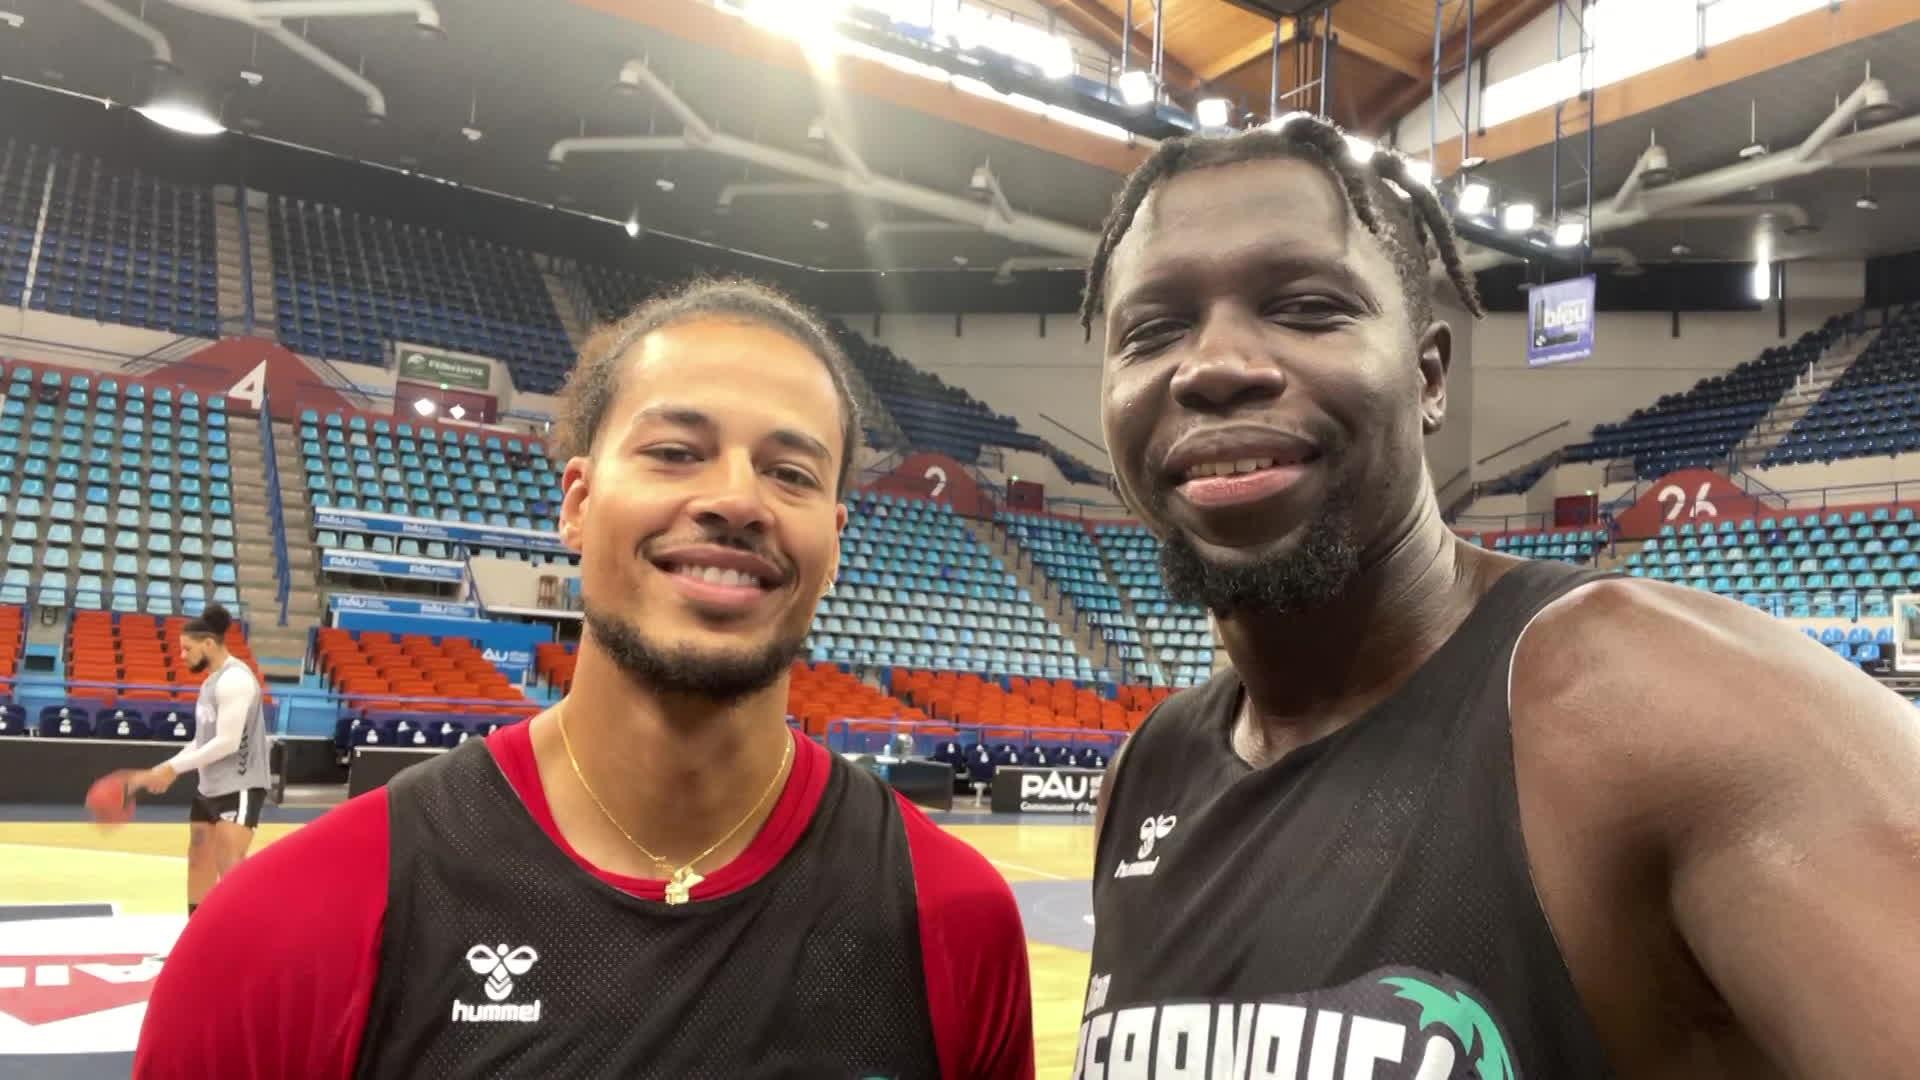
x: 1636, y: 360
x: 1003, y: 361
x: 26, y: 334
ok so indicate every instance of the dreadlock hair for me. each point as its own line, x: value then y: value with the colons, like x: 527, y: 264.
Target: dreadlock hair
x: 1402, y: 225
x: 594, y: 382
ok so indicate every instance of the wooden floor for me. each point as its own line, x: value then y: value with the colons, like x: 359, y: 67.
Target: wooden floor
x: 140, y: 869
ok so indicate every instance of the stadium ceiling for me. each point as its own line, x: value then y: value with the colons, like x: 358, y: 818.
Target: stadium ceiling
x: 493, y: 99
x: 1382, y: 57
x: 484, y: 100
x: 1815, y: 215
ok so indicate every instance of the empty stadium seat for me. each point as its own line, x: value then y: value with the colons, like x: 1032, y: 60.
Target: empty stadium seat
x: 916, y: 589
x: 347, y: 285
x: 1873, y: 408
x: 116, y: 246
x: 1699, y: 427
x: 1177, y: 639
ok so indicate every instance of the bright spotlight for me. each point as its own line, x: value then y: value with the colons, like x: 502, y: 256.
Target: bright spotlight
x: 1475, y: 197
x: 1361, y: 149
x: 632, y: 226
x: 1136, y: 88
x: 1212, y: 112
x: 1518, y: 217
x: 1762, y: 280
x: 424, y: 407
x: 1569, y: 234
x: 1418, y: 171
x: 458, y: 412
x: 180, y: 116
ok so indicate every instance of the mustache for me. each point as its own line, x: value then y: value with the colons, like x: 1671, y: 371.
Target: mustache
x: 741, y: 540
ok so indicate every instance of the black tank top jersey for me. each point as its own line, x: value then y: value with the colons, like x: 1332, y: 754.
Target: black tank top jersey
x: 501, y: 956
x: 1361, y: 909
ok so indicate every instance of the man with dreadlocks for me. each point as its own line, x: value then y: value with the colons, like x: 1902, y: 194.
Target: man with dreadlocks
x: 1449, y: 814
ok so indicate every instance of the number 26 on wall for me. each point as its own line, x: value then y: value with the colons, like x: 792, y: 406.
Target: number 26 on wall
x: 1676, y: 499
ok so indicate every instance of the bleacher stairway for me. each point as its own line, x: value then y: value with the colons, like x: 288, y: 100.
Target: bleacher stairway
x: 266, y: 318
x: 569, y: 305
x: 1778, y: 423
x: 281, y: 649
x: 1058, y: 609
x: 228, y: 245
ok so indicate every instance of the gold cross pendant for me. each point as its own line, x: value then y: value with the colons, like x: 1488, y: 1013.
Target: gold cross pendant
x: 680, y: 885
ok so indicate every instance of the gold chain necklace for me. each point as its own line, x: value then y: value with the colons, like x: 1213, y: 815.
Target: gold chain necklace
x: 681, y: 880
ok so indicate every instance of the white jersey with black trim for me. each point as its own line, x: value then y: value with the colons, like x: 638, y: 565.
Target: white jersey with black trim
x: 231, y: 696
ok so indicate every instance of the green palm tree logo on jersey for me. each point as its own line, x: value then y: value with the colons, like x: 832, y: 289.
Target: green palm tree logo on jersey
x: 1463, y: 1016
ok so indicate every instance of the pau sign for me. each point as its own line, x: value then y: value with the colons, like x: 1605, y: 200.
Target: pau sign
x: 1022, y: 790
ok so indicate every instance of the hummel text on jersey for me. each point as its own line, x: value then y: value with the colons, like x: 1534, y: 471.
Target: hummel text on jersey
x: 491, y: 1013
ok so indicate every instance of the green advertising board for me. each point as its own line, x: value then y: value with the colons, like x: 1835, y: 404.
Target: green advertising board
x: 441, y: 369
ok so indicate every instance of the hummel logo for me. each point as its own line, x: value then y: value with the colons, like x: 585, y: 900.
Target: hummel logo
x: 1155, y: 829
x: 499, y: 964
x: 1152, y: 830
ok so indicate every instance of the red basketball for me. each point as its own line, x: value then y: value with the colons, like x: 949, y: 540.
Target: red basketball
x: 110, y: 800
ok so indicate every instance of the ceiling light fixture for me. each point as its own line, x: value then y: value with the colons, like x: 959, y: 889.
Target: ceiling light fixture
x: 1136, y: 88
x: 1475, y: 197
x: 1518, y: 217
x: 423, y: 406
x: 1569, y: 234
x: 458, y: 412
x: 1213, y: 112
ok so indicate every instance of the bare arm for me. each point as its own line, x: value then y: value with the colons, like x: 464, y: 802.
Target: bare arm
x: 1781, y: 791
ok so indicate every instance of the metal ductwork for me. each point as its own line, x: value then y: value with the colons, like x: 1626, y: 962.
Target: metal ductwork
x: 1018, y: 227
x: 266, y: 15
x: 318, y: 57
x: 1871, y: 94
x: 162, y: 52
x: 1860, y: 149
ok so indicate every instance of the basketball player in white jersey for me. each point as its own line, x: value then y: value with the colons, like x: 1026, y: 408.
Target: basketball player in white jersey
x: 229, y: 750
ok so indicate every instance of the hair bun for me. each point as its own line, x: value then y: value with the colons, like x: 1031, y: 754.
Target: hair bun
x: 217, y: 619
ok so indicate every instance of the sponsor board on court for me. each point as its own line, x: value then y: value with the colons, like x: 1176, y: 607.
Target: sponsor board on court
x: 389, y: 605
x: 1020, y: 789
x: 454, y: 532
x: 392, y: 566
x: 79, y: 985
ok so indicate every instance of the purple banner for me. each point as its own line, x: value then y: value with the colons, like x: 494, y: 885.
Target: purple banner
x: 1560, y: 321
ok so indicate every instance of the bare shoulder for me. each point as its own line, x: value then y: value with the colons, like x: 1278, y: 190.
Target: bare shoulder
x: 1641, y: 682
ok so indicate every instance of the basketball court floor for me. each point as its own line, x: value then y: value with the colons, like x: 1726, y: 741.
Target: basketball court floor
x: 83, y: 908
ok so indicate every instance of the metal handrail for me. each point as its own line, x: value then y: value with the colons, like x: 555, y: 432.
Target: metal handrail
x: 282, y: 573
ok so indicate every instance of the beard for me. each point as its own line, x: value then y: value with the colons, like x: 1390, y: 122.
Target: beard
x: 1304, y: 576
x: 680, y: 669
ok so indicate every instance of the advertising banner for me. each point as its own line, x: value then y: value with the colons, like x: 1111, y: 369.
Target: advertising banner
x: 443, y: 369
x: 1560, y: 321
x: 337, y: 561
x: 506, y: 645
x: 393, y: 605
x: 455, y: 532
x: 1023, y: 790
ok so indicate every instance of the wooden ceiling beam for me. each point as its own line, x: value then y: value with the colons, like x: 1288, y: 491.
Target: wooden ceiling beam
x: 1254, y: 49
x: 1377, y: 53
x: 1488, y: 32
x: 1092, y: 18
